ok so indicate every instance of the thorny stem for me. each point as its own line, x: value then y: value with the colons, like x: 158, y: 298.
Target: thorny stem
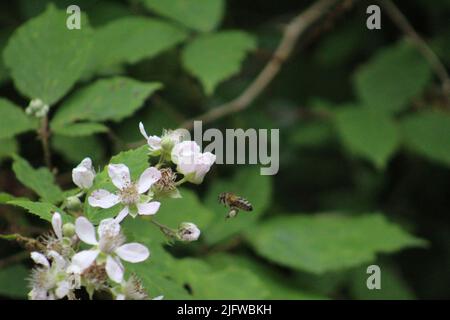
x: 28, y: 243
x: 403, y: 24
x: 44, y: 135
x: 291, y: 34
x: 165, y: 229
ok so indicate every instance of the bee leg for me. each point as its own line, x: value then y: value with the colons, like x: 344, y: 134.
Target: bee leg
x: 232, y: 213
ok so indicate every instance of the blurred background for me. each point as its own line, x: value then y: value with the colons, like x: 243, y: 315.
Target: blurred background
x: 364, y: 138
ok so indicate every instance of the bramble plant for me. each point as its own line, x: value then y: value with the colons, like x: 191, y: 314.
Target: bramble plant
x: 213, y: 149
x: 64, y: 267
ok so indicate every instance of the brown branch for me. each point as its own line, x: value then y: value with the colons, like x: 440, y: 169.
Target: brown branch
x: 44, y: 136
x: 403, y: 24
x: 291, y: 34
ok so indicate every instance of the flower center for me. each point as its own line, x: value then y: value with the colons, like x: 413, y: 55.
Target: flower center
x: 129, y: 194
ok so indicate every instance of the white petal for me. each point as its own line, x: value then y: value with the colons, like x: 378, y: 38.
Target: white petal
x: 83, y: 175
x: 57, y: 224
x: 148, y: 178
x: 133, y: 252
x: 183, y: 150
x: 83, y: 259
x: 63, y: 289
x: 109, y: 227
x: 142, y: 130
x: 154, y: 143
x: 122, y: 214
x: 158, y: 298
x: 114, y: 269
x: 149, y: 208
x: 39, y: 258
x: 103, y: 198
x: 58, y: 260
x: 120, y: 175
x: 120, y: 297
x: 85, y: 231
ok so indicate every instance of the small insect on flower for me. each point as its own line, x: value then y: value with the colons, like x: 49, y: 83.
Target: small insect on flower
x: 235, y: 203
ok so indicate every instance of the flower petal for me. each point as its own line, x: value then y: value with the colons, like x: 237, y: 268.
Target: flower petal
x: 85, y: 231
x: 154, y: 143
x: 120, y: 175
x: 57, y: 224
x: 183, y: 150
x: 133, y: 252
x: 142, y: 130
x: 108, y: 227
x: 83, y: 259
x: 148, y: 178
x: 63, y: 289
x: 58, y: 260
x: 114, y: 269
x: 39, y: 258
x: 103, y: 198
x: 149, y: 208
x: 122, y: 214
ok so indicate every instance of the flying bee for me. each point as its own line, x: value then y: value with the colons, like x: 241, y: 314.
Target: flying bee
x: 235, y: 203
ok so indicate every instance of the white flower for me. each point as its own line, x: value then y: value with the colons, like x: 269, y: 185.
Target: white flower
x: 52, y: 280
x: 109, y: 248
x: 169, y: 138
x: 130, y: 194
x: 188, y: 232
x: 83, y: 175
x: 191, y: 162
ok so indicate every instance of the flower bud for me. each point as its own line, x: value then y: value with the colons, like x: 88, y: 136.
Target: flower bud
x: 68, y: 230
x: 73, y: 203
x: 188, y: 232
x: 83, y: 175
x: 37, y: 108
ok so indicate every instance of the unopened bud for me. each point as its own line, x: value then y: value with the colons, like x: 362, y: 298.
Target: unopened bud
x: 188, y: 232
x: 68, y: 230
x: 73, y: 203
x: 37, y: 108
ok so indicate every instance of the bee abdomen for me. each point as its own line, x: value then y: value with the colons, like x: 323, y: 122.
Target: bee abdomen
x: 243, y: 204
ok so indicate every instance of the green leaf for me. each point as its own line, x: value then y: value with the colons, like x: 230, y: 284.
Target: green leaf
x: 201, y: 15
x: 186, y: 209
x: 393, y: 77
x: 43, y: 210
x: 8, y: 147
x: 13, y: 282
x: 369, y: 134
x: 216, y: 57
x: 45, y: 58
x: 278, y: 286
x: 75, y: 149
x: 428, y: 134
x: 327, y: 242
x: 113, y: 44
x: 39, y: 180
x: 107, y: 99
x: 13, y: 120
x: 247, y: 183
x: 80, y: 129
x: 207, y: 283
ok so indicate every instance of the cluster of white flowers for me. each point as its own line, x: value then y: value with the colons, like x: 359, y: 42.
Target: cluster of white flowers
x: 77, y: 256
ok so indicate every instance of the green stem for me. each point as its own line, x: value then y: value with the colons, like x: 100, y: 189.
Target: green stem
x: 181, y: 181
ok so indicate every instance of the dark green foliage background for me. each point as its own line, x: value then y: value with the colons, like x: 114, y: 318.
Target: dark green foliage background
x: 364, y: 146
